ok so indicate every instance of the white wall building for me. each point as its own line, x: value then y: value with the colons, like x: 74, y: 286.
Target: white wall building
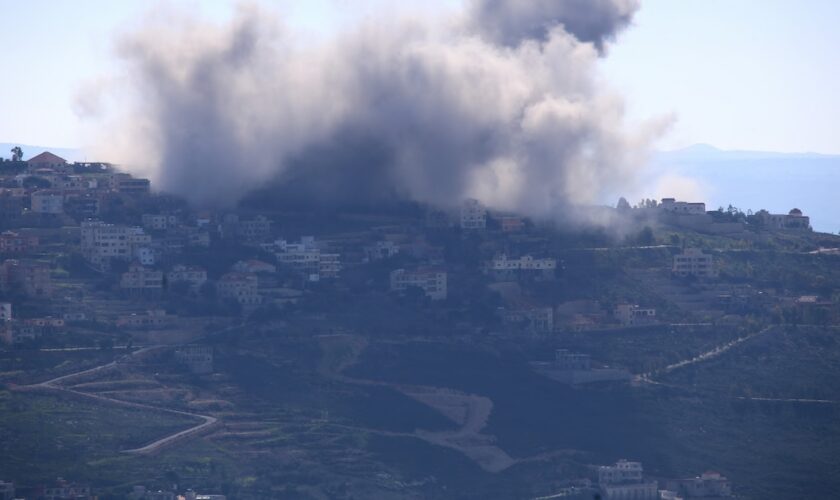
x: 47, y: 201
x: 159, y: 222
x: 473, y: 215
x: 682, y: 207
x: 239, y: 287
x: 633, y: 315
x: 101, y: 242
x: 5, y: 311
x: 693, y: 262
x: 431, y: 281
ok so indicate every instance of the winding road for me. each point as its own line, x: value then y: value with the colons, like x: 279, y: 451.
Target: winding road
x: 54, y: 385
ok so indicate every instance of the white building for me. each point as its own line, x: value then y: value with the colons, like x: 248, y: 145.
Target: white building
x: 47, y: 201
x: 625, y: 481
x: 682, y: 207
x: 306, y: 257
x: 633, y: 315
x: 431, y: 281
x: 693, y: 262
x: 193, y: 276
x: 239, y: 287
x: 139, y: 279
x: 473, y: 215
x: 381, y: 250
x: 101, y: 242
x: 5, y: 311
x: 792, y: 220
x: 524, y: 263
x: 159, y: 222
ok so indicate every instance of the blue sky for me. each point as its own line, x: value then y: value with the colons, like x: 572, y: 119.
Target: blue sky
x: 739, y: 74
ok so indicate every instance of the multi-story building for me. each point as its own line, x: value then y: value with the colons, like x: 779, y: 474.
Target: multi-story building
x: 682, y: 207
x: 693, y: 262
x: 511, y: 224
x: 534, y: 319
x: 195, y: 277
x: 307, y: 258
x: 432, y: 281
x: 139, y: 279
x: 381, y: 250
x: 14, y: 243
x: 159, y: 222
x: 101, y: 242
x: 153, y: 318
x: 709, y: 485
x: 239, y: 287
x: 47, y: 201
x: 633, y: 315
x: 7, y: 490
x: 29, y: 277
x: 625, y: 481
x: 5, y: 312
x: 64, y: 490
x: 46, y: 160
x: 126, y: 184
x: 504, y: 268
x: 473, y: 215
x: 792, y: 220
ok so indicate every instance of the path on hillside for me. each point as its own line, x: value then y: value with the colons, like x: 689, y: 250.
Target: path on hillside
x: 469, y: 411
x: 705, y: 356
x: 54, y: 385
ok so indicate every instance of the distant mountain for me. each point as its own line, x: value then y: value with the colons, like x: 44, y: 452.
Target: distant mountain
x: 69, y: 154
x: 707, y: 152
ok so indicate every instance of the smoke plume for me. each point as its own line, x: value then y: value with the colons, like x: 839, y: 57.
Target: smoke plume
x: 500, y: 101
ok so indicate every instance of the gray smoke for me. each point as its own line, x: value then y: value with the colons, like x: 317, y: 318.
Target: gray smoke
x: 509, y: 22
x: 424, y: 109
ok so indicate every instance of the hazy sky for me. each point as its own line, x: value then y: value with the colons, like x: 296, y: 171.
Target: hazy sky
x: 739, y: 74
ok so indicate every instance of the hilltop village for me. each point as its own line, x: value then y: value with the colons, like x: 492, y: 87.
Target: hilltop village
x: 121, y: 302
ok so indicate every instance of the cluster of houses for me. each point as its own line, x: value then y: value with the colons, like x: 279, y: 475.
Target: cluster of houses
x: 62, y: 489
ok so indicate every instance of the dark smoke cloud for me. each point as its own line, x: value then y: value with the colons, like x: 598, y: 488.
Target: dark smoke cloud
x: 429, y: 110
x: 509, y: 22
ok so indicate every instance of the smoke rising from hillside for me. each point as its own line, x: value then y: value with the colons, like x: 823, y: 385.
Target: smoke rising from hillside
x: 496, y: 102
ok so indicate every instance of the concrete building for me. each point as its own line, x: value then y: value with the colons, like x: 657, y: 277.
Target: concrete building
x: 195, y: 277
x: 254, y: 266
x: 473, y: 215
x: 126, y: 184
x: 533, y: 319
x: 625, y: 481
x: 708, y: 485
x: 159, y: 222
x: 381, y: 250
x: 633, y: 315
x: 139, y: 279
x: 153, y: 318
x: 504, y: 268
x: 682, y: 207
x: 46, y: 160
x: 64, y: 490
x: 29, y: 277
x: 47, y: 201
x: 5, y: 312
x: 306, y: 258
x: 431, y: 281
x: 693, y: 262
x: 240, y: 288
x: 7, y: 490
x: 792, y: 220
x: 14, y: 243
x: 101, y: 242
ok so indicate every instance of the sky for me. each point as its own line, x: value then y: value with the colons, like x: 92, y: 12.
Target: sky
x: 746, y: 74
